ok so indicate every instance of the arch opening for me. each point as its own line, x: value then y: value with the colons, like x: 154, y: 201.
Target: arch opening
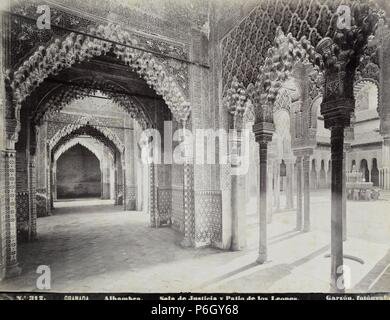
x: 78, y: 174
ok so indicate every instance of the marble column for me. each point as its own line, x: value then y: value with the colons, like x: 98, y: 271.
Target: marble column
x: 116, y: 184
x: 54, y: 178
x: 386, y: 163
x: 238, y: 201
x: 263, y: 204
x: 306, y: 191
x: 263, y: 134
x: 269, y: 191
x: 277, y: 185
x: 130, y: 174
x: 346, y: 148
x: 105, y: 169
x: 289, y: 186
x: 337, y: 149
x: 299, y: 193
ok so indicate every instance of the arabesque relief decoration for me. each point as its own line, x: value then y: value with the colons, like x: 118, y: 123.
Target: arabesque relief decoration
x: 75, y: 48
x: 63, y: 95
x: 81, y: 122
x: 278, y: 65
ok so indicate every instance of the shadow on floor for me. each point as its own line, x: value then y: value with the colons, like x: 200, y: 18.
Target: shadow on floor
x: 264, y: 277
x: 377, y: 279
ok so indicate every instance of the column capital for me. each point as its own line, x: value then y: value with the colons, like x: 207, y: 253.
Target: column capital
x: 337, y: 113
x: 263, y: 131
x: 340, y: 55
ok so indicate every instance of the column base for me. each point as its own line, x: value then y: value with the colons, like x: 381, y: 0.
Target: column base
x: 262, y: 258
x: 13, y: 271
x: 186, y: 242
x: 306, y: 229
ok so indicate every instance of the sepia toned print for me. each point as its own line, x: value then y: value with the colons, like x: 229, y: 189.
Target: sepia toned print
x: 229, y: 150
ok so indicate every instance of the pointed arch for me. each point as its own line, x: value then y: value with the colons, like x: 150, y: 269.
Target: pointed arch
x: 61, y: 54
x: 75, y: 141
x: 83, y: 122
x: 60, y: 96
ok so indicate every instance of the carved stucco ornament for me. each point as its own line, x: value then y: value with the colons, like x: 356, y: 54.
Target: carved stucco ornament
x: 62, y: 54
x: 341, y: 55
x: 81, y: 122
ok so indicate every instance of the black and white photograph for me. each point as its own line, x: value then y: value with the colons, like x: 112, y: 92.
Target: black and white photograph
x: 195, y: 150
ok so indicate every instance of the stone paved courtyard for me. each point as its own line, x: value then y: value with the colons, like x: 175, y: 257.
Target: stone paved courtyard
x: 94, y: 246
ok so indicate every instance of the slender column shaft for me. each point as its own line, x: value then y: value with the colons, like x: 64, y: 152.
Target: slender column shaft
x: 54, y: 173
x: 289, y: 187
x: 386, y: 163
x: 306, y: 191
x: 263, y: 204
x: 299, y: 193
x: 116, y: 183
x: 238, y: 201
x: 130, y: 174
x: 337, y: 149
x: 105, y: 168
x: 277, y: 186
x: 344, y: 196
x: 238, y: 212
x: 269, y: 192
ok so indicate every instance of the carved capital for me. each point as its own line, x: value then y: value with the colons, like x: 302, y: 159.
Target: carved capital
x: 263, y: 131
x: 337, y: 112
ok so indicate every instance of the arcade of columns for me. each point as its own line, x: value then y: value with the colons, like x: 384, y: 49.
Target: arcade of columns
x: 208, y: 198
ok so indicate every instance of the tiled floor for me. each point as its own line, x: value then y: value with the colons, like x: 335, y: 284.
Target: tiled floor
x: 94, y: 246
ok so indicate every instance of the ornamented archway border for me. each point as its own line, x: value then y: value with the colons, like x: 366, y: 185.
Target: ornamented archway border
x: 86, y: 121
x: 279, y: 62
x: 365, y: 81
x: 320, y: 95
x: 244, y: 48
x: 60, y: 96
x: 50, y: 60
x: 73, y: 142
